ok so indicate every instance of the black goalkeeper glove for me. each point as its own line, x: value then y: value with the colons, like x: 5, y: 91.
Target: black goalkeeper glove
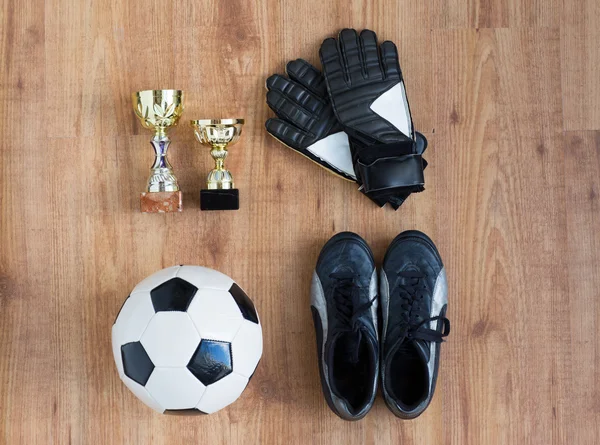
x: 306, y: 122
x: 368, y: 96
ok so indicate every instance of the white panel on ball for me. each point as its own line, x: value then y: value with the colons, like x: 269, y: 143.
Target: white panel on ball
x: 175, y: 388
x: 220, y: 329
x: 157, y: 279
x: 246, y: 348
x: 222, y: 393
x: 215, y: 314
x: 133, y: 318
x: 142, y: 394
x: 203, y: 277
x: 170, y: 339
x: 116, y: 348
x: 211, y: 302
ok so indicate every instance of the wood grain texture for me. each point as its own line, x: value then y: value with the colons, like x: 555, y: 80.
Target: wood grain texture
x: 506, y: 92
x: 580, y: 57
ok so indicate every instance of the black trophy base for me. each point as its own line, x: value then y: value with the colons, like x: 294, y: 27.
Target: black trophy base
x: 220, y: 199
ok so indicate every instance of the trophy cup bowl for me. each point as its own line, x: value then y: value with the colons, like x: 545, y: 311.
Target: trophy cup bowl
x: 159, y: 110
x: 219, y: 135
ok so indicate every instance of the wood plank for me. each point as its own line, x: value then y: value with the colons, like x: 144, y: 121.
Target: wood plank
x: 581, y: 355
x: 580, y: 57
x: 495, y: 13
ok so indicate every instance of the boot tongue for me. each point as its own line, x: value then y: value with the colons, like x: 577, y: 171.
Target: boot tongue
x: 422, y: 348
x: 349, y: 343
x: 411, y: 348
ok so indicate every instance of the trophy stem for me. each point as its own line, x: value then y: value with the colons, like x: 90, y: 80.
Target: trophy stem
x: 219, y: 178
x: 160, y: 132
x: 162, y: 178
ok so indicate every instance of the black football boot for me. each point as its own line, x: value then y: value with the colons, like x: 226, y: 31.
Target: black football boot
x: 344, y: 309
x: 414, y: 298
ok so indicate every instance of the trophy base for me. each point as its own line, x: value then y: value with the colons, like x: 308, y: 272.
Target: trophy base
x: 219, y: 199
x: 161, y: 202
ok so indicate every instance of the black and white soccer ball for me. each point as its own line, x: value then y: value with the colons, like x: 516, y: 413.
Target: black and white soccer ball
x: 187, y: 340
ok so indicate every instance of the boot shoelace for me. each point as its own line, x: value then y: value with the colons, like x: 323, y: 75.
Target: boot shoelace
x: 345, y: 296
x: 413, y: 312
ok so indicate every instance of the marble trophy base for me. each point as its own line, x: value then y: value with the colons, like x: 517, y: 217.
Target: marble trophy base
x: 161, y: 202
x: 219, y: 199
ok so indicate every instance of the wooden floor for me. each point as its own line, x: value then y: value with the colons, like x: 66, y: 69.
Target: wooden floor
x: 508, y: 94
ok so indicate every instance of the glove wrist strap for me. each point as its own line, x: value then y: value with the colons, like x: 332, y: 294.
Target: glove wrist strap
x: 390, y: 166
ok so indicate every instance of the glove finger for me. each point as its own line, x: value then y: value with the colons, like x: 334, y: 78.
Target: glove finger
x: 368, y: 40
x: 308, y: 76
x: 286, y: 133
x: 352, y: 56
x: 332, y: 66
x: 295, y: 93
x: 389, y: 60
x: 277, y: 82
x: 288, y: 109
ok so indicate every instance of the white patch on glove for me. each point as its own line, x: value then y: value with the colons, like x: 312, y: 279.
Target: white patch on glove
x: 393, y: 107
x: 335, y: 151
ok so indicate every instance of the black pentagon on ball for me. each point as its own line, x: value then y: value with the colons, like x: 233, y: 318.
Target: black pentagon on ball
x: 173, y: 295
x: 211, y: 361
x: 184, y: 412
x: 136, y: 363
x: 244, y: 303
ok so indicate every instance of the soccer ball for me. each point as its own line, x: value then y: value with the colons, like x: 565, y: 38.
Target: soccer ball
x: 187, y: 340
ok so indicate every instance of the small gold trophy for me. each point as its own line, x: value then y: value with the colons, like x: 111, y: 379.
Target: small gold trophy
x: 219, y: 134
x: 159, y: 110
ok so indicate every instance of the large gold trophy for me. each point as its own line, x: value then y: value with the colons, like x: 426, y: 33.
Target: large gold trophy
x: 159, y: 110
x: 219, y: 135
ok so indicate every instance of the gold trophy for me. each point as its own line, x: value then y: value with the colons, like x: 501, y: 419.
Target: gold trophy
x: 159, y: 110
x: 219, y: 135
